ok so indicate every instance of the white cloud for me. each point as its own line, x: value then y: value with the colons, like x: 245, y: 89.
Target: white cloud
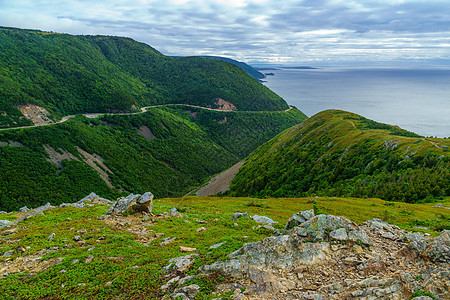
x: 264, y: 30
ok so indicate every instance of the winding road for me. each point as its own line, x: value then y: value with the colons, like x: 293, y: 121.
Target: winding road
x: 142, y: 110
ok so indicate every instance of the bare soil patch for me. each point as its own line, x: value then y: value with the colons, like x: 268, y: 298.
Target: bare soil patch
x: 221, y: 182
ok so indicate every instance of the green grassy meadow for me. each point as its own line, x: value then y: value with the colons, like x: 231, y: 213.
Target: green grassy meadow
x: 113, y: 262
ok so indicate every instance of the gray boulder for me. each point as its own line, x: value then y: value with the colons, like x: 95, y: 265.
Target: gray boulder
x: 5, y: 223
x: 181, y: 263
x: 439, y: 249
x: 379, y: 224
x: 132, y: 203
x: 298, y: 219
x: 320, y: 226
x: 236, y: 216
x: 416, y: 241
x: 173, y: 212
x: 24, y: 209
x: 263, y: 220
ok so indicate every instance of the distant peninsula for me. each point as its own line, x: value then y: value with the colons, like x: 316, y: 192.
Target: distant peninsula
x: 284, y: 68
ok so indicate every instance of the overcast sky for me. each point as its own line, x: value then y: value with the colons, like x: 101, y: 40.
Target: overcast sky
x: 273, y: 31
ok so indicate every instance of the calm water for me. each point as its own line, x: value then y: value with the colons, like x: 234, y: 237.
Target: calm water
x: 417, y: 100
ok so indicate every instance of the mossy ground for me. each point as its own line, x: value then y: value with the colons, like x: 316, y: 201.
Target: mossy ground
x: 123, y: 268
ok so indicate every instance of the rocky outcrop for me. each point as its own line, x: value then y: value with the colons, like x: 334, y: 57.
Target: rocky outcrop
x: 5, y: 223
x: 329, y: 257
x: 132, y: 203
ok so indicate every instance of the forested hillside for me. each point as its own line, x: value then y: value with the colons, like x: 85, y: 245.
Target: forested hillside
x: 337, y: 153
x: 167, y: 151
x: 68, y: 74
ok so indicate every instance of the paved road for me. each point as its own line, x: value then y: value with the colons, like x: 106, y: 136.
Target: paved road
x: 96, y: 115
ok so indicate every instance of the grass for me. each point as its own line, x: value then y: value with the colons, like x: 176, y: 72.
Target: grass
x: 123, y: 268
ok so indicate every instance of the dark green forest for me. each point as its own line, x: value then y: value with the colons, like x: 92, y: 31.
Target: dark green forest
x: 336, y: 153
x: 68, y: 74
x: 182, y: 152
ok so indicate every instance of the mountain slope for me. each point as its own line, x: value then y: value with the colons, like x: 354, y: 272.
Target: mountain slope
x: 339, y: 153
x: 250, y: 70
x: 168, y: 151
x: 67, y: 74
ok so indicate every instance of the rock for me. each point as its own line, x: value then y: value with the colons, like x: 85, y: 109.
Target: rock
x: 378, y: 223
x: 318, y: 227
x: 339, y: 234
x: 181, y: 263
x: 77, y: 238
x: 173, y: 212
x: 24, y: 209
x: 417, y: 241
x: 388, y: 235
x: 89, y: 259
x: 170, y: 282
x: 439, y: 249
x: 200, y: 229
x: 236, y: 216
x: 3, y: 212
x: 187, y: 249
x: 8, y: 253
x: 132, y: 204
x: 269, y: 227
x: 167, y: 241
x: 263, y: 219
x: 190, y: 291
x: 215, y: 246
x: 421, y: 228
x: 439, y: 205
x: 5, y: 223
x: 298, y: 219
x: 20, y: 249
x: 92, y: 197
x: 357, y: 235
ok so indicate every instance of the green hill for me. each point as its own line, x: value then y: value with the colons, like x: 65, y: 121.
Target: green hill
x: 249, y: 69
x: 338, y: 153
x: 167, y: 150
x: 68, y: 74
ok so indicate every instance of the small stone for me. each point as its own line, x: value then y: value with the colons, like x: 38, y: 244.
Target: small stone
x: 75, y: 260
x: 358, y: 249
x: 108, y: 284
x: 216, y: 246
x: 77, y: 238
x: 90, y: 249
x: 201, y: 229
x: 63, y: 271
x: 89, y: 259
x: 388, y: 235
x: 269, y: 227
x: 51, y: 236
x: 236, y: 224
x: 350, y: 260
x: 8, y: 253
x: 173, y: 212
x: 20, y: 249
x: 24, y: 209
x: 187, y: 249
x: 236, y: 216
x: 186, y: 221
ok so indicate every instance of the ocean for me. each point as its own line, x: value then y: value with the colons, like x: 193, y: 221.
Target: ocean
x: 416, y: 99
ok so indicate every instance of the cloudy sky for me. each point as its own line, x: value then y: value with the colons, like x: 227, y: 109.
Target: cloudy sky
x: 271, y: 31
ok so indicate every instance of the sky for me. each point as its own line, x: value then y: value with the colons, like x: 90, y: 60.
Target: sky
x: 255, y: 31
